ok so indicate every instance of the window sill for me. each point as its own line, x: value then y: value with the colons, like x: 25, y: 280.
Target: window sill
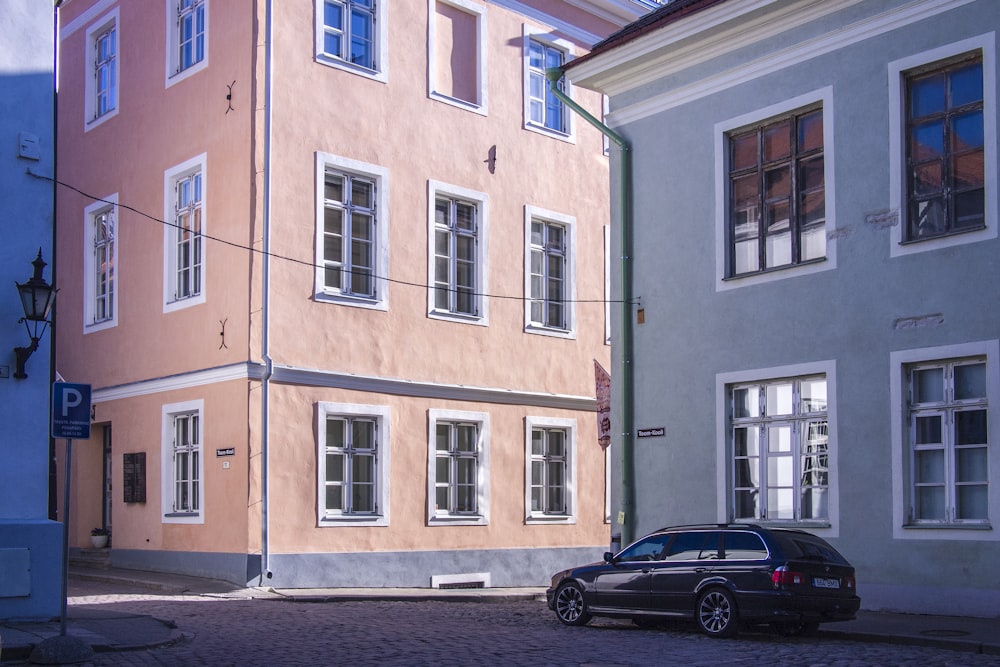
x: 457, y: 521
x: 568, y: 137
x: 550, y: 331
x: 540, y: 519
x: 948, y: 526
x: 337, y: 63
x: 347, y: 520
x: 474, y: 107
x: 458, y: 317
x: 349, y: 300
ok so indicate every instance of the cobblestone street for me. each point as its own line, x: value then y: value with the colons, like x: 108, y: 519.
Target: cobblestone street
x: 234, y: 630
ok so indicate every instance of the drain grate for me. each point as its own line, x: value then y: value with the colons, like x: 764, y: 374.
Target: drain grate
x: 463, y: 584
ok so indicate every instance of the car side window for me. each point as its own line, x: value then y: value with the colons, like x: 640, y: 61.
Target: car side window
x: 648, y: 548
x: 699, y: 545
x: 744, y: 546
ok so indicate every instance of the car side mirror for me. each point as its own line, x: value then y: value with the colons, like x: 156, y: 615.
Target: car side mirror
x: 609, y: 557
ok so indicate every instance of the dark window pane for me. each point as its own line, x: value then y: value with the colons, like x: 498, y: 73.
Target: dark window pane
x: 927, y: 96
x: 744, y: 151
x: 777, y: 141
x: 811, y: 131
x: 967, y: 85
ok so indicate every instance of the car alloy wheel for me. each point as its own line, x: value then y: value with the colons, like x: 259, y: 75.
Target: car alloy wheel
x: 716, y: 613
x: 570, y: 607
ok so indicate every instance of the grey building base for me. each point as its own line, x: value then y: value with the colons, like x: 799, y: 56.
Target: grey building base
x: 975, y: 602
x: 497, y: 568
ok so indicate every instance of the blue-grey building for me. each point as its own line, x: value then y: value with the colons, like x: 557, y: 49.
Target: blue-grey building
x: 30, y: 543
x: 812, y: 270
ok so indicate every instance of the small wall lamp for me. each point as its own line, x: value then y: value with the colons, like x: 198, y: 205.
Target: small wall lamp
x: 36, y: 299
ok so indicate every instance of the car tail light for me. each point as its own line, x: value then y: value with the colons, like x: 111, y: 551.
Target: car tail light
x: 785, y: 577
x: 850, y: 583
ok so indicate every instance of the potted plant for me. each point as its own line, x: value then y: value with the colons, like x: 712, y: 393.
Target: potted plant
x: 99, y: 537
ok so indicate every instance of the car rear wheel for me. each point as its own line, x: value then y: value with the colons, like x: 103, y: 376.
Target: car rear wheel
x: 715, y: 613
x: 570, y: 607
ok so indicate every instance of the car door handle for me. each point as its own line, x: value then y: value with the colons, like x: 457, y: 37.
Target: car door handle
x: 701, y: 569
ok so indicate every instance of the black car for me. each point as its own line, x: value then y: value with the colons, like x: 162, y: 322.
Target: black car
x: 721, y: 576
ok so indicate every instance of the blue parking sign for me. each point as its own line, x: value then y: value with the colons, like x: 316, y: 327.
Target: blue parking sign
x: 70, y: 411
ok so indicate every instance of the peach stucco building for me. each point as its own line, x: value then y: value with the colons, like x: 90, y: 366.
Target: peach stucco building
x: 336, y: 272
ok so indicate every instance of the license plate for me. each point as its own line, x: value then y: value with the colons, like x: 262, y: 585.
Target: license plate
x: 820, y: 582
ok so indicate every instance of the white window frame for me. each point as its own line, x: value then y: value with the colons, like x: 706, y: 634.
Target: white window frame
x: 481, y: 201
x: 724, y: 453
x: 899, y: 363
x: 722, y: 133
x: 442, y: 518
x: 169, y: 412
x: 568, y: 223
x: 531, y: 33
x: 174, y: 73
x: 480, y: 104
x: 326, y: 162
x: 91, y: 118
x: 381, y: 49
x: 570, y: 428
x: 898, y: 195
x: 170, y: 179
x: 90, y: 213
x: 380, y: 414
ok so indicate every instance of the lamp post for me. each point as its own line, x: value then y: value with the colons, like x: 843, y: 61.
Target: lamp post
x: 36, y: 300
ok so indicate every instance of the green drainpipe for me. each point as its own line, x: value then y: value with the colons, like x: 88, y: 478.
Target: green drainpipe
x: 628, y: 384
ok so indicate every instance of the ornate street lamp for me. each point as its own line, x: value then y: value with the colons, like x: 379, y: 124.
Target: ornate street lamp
x: 36, y: 299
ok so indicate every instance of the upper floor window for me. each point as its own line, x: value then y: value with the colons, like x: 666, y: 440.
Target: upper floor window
x: 353, y: 464
x: 777, y: 194
x: 352, y: 33
x: 102, y: 76
x: 457, y: 53
x: 184, y: 237
x: 948, y: 442
x: 100, y: 262
x: 458, y: 473
x: 543, y: 109
x: 945, y: 148
x: 458, y: 233
x: 187, y: 38
x: 549, y: 271
x: 183, y: 462
x: 351, y: 252
x: 780, y: 450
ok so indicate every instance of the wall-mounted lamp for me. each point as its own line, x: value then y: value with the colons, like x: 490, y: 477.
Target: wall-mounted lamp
x: 36, y: 299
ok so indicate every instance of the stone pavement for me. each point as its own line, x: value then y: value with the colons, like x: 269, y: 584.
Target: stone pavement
x: 108, y: 630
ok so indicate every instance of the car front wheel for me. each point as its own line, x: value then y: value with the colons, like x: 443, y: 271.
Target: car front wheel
x: 570, y: 607
x: 715, y: 613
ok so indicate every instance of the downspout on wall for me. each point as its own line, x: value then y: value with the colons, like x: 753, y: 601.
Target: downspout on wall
x: 554, y: 74
x: 265, y: 568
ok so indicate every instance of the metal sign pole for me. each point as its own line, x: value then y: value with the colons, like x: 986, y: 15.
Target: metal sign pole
x: 65, y: 553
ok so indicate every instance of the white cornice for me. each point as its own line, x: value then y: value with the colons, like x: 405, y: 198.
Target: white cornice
x: 573, y: 32
x: 811, y: 48
x: 612, y: 11
x: 86, y: 17
x: 367, y: 383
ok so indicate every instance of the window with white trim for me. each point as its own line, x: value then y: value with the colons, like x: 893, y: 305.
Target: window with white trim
x: 101, y: 82
x: 351, y: 34
x: 458, y: 468
x: 948, y: 442
x: 458, y: 221
x: 184, y: 235
x: 351, y: 231
x: 456, y: 56
x: 187, y: 38
x: 550, y: 477
x: 543, y: 111
x: 777, y: 193
x: 779, y: 444
x: 100, y: 264
x: 183, y: 464
x: 943, y: 146
x: 550, y: 272
x: 353, y: 464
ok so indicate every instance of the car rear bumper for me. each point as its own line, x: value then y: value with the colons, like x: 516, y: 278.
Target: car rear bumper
x: 781, y: 606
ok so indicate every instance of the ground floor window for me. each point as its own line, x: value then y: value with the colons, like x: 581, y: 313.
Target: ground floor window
x: 550, y: 477
x: 353, y: 464
x: 183, y: 462
x: 779, y: 443
x: 458, y: 471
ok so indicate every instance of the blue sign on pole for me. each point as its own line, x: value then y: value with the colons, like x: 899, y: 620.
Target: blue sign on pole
x: 70, y: 411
